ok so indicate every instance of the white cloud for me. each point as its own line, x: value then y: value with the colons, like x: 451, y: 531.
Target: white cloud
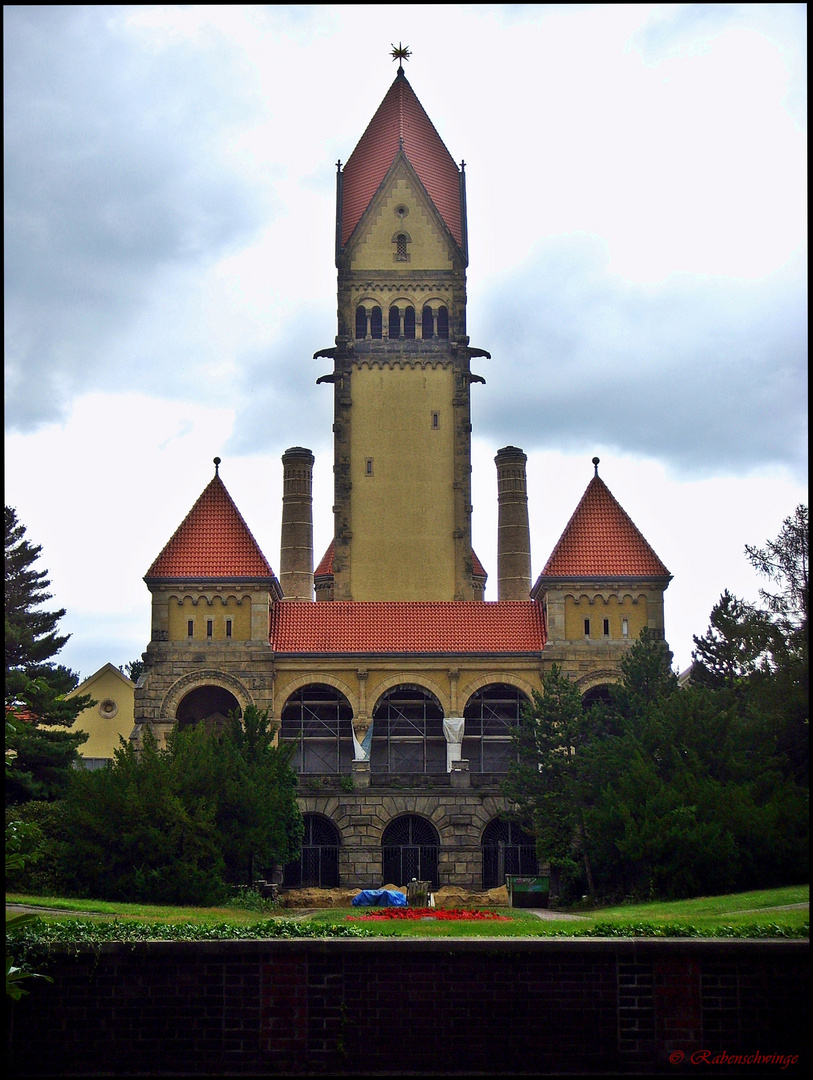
x: 637, y: 215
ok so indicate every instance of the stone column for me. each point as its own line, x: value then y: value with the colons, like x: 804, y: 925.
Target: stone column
x: 296, y: 546
x: 513, y: 530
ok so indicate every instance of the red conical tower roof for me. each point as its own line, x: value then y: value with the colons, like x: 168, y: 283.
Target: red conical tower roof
x: 401, y: 123
x: 213, y: 541
x: 601, y: 540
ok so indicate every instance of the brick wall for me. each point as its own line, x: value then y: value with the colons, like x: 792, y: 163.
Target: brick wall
x: 388, y: 1005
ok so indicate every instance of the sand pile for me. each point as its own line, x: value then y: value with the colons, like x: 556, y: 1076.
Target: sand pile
x: 448, y: 896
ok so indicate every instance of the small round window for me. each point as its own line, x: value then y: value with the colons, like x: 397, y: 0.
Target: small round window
x: 108, y: 708
x: 401, y: 211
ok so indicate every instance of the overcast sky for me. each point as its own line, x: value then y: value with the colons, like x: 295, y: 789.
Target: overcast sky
x: 636, y: 182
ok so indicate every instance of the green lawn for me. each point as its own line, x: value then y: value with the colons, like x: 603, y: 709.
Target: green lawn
x: 773, y: 912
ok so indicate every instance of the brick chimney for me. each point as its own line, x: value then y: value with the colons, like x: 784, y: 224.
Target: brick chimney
x: 513, y: 530
x: 296, y: 545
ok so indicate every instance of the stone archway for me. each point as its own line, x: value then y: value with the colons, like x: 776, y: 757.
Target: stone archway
x: 210, y: 705
x: 211, y: 679
x: 410, y: 846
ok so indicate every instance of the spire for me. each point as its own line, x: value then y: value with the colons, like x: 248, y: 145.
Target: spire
x: 400, y: 124
x: 601, y: 540
x: 213, y: 541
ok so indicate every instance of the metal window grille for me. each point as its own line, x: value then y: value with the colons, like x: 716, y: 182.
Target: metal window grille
x: 409, y: 849
x: 507, y: 849
x: 317, y: 865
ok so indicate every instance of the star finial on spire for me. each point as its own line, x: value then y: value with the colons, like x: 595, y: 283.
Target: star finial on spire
x: 399, y: 53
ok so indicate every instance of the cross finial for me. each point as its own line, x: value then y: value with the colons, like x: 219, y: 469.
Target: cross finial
x: 399, y: 53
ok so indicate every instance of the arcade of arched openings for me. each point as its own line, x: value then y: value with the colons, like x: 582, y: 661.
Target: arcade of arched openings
x: 401, y: 323
x: 407, y: 733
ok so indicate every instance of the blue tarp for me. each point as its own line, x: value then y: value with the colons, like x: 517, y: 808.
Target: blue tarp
x: 379, y: 898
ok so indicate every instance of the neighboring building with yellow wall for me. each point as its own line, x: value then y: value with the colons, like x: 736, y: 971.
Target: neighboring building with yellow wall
x: 110, y: 719
x: 394, y: 682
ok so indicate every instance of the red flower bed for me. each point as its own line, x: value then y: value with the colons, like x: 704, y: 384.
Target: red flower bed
x: 446, y: 914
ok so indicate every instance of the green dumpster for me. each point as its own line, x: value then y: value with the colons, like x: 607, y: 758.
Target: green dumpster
x: 528, y: 892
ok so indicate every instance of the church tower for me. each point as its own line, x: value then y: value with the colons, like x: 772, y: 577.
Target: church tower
x: 401, y: 376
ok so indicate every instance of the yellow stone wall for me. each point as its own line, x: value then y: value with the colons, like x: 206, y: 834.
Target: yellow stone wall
x: 597, y: 608
x: 375, y: 248
x: 200, y: 608
x: 401, y: 471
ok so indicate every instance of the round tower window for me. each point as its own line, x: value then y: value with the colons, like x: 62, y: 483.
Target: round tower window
x: 108, y: 708
x: 401, y: 211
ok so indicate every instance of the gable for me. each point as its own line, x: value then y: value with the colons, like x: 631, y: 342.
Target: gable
x: 401, y: 206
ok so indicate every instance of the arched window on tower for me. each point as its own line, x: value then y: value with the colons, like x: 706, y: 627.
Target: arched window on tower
x: 427, y: 322
x: 401, y: 247
x: 395, y: 323
x: 361, y: 322
x: 443, y: 322
x: 409, y: 323
x: 376, y: 324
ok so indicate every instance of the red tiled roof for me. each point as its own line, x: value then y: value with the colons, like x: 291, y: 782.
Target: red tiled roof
x: 325, y: 567
x: 477, y: 566
x: 212, y: 541
x: 401, y: 123
x: 408, y: 627
x: 601, y: 540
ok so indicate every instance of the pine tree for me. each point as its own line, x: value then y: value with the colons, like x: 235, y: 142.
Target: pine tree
x: 41, y: 751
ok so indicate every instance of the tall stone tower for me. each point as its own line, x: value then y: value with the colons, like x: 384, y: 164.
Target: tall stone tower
x: 401, y: 375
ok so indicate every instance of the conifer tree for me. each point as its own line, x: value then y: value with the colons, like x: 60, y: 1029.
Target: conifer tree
x: 41, y: 751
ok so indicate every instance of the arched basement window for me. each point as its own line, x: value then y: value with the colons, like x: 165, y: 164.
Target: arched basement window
x: 408, y: 733
x: 443, y: 322
x: 361, y: 322
x: 490, y: 714
x: 376, y: 324
x: 427, y: 322
x: 318, y: 863
x: 507, y: 849
x: 409, y: 323
x: 209, y: 705
x: 395, y: 323
x: 317, y: 719
x: 409, y: 849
